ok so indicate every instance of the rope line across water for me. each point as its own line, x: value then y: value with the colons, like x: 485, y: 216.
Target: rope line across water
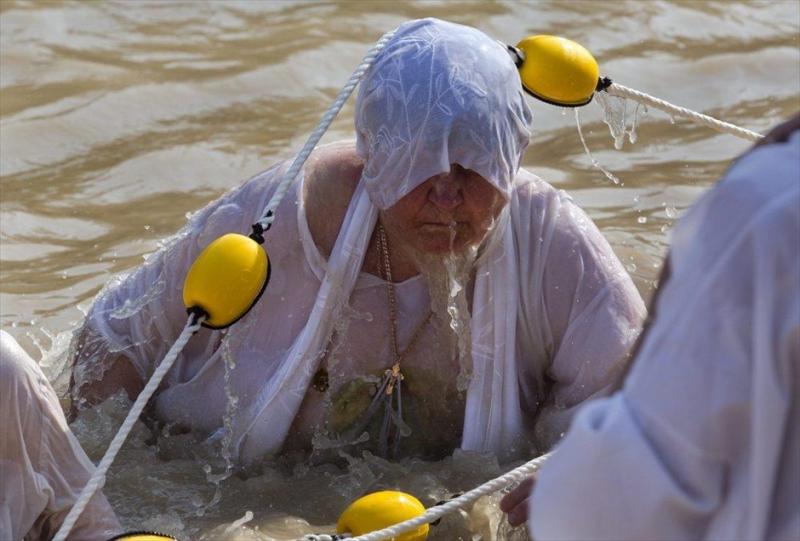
x: 436, y: 512
x: 98, y: 477
x: 725, y: 127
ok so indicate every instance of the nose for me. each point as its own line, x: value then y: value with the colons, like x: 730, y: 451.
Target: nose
x: 446, y: 192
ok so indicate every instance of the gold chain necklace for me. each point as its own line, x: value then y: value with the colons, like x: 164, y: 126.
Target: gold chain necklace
x: 320, y: 380
x: 394, y: 374
x: 393, y: 428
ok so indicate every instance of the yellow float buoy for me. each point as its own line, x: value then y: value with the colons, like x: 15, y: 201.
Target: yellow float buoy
x: 380, y: 510
x: 226, y: 279
x: 143, y: 536
x: 557, y: 70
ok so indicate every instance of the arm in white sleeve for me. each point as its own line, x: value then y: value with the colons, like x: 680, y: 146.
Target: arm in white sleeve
x: 136, y: 319
x: 587, y: 306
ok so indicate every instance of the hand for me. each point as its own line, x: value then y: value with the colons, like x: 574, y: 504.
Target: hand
x: 515, y: 503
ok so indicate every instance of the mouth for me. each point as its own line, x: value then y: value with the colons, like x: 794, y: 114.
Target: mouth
x: 436, y: 228
x: 446, y: 225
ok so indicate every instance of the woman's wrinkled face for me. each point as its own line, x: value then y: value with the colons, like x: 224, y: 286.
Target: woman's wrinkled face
x: 446, y: 213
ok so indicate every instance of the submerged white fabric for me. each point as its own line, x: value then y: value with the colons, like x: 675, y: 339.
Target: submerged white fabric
x: 703, y: 442
x: 526, y: 331
x: 439, y: 93
x: 42, y: 466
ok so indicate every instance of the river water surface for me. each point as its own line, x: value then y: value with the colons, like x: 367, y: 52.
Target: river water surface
x: 118, y: 118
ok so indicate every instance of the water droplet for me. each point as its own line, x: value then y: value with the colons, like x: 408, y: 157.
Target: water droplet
x: 147, y: 227
x: 610, y: 176
x: 641, y: 219
x: 671, y: 212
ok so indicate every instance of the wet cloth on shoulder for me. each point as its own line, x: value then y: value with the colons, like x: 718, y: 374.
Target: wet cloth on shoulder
x: 42, y: 466
x: 703, y: 441
x: 553, y: 310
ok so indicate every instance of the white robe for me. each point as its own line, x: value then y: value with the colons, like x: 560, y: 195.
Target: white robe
x: 574, y: 318
x: 42, y: 466
x: 703, y: 442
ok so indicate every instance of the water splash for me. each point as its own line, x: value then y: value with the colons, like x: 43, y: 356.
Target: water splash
x: 55, y: 358
x: 322, y: 440
x: 133, y: 305
x: 236, y: 524
x: 615, y: 115
x: 224, y: 435
x: 609, y: 175
x: 231, y: 407
x: 458, y: 309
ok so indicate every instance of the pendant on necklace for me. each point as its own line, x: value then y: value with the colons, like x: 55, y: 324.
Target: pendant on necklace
x: 393, y: 376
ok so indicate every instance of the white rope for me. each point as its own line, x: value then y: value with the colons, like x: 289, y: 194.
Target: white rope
x: 99, y: 475
x: 724, y: 127
x: 269, y: 214
x: 438, y: 511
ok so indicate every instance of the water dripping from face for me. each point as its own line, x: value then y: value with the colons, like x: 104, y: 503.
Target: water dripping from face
x: 446, y: 213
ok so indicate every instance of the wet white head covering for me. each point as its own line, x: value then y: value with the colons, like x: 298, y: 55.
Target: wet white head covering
x: 439, y: 93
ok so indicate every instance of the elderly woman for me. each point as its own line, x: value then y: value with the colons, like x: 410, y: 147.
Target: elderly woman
x: 427, y: 293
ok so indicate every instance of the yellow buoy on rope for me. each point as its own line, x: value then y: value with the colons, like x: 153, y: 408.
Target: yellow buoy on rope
x: 557, y: 70
x: 226, y: 280
x: 380, y: 510
x: 143, y: 536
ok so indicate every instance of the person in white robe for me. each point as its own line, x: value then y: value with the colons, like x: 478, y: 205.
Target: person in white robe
x: 703, y: 439
x: 42, y: 466
x: 544, y: 311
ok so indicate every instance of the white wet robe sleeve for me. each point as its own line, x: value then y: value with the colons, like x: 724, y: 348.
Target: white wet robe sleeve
x: 579, y: 309
x: 703, y: 442
x: 42, y: 466
x: 139, y: 316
